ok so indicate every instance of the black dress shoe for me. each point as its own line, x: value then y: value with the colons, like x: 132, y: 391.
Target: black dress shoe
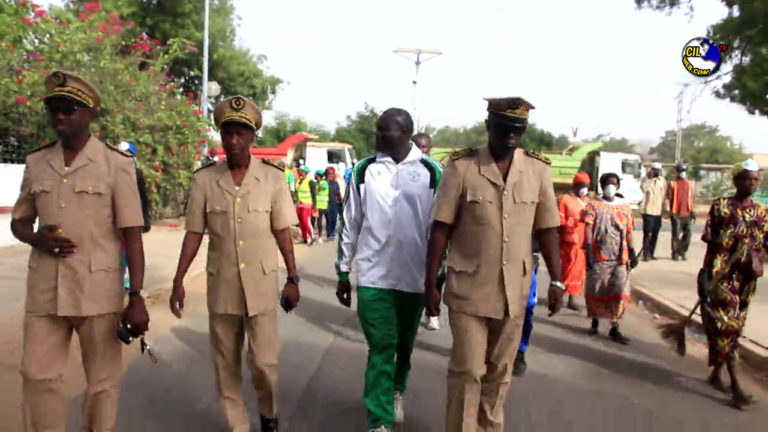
x: 520, y: 366
x: 268, y: 424
x: 617, y: 337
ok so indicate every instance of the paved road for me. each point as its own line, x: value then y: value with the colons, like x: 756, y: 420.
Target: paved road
x: 574, y: 383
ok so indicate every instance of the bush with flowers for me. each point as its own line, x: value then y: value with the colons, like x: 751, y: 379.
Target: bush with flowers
x: 140, y: 103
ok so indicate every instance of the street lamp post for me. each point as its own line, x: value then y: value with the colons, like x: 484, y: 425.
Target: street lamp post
x: 418, y: 52
x: 204, y: 98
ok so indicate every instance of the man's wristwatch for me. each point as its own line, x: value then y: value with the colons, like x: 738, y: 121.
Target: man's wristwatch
x: 293, y: 279
x: 134, y: 293
x: 558, y: 284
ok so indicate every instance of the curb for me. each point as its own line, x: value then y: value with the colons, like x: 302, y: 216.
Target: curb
x: 749, y: 352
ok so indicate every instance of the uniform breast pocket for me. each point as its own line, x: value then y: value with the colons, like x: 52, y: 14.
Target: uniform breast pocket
x: 259, y: 210
x: 526, y: 198
x: 217, y: 218
x: 44, y: 200
x: 92, y: 195
x: 481, y: 206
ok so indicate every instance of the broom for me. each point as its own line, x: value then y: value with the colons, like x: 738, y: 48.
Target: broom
x: 675, y: 331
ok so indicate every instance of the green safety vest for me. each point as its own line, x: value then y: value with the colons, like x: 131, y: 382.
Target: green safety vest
x: 323, y: 194
x: 304, y: 194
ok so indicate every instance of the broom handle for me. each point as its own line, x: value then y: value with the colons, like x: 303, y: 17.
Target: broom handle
x: 711, y: 285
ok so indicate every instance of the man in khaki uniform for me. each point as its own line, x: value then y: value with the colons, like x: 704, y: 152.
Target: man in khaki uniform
x: 246, y: 206
x: 84, y: 195
x: 492, y: 198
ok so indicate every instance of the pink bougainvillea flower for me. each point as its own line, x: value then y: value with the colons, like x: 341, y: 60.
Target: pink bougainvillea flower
x: 100, y: 39
x: 202, y: 140
x: 40, y: 13
x: 28, y: 21
x: 58, y: 44
x: 191, y: 95
x: 198, y: 112
x: 82, y: 16
x: 35, y: 6
x: 92, y: 6
x: 10, y: 47
x: 153, y: 71
x: 130, y: 24
x: 184, y: 124
x: 131, y: 82
x: 18, y: 70
x: 192, y: 48
x: 20, y: 80
x: 21, y: 99
x: 103, y: 28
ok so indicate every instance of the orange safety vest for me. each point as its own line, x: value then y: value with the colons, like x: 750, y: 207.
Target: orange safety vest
x: 674, y: 204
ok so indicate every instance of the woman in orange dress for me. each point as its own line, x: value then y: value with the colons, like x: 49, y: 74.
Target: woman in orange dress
x: 572, y: 254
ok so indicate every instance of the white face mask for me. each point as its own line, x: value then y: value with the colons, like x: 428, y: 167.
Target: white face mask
x: 583, y: 192
x: 683, y: 175
x: 609, y: 191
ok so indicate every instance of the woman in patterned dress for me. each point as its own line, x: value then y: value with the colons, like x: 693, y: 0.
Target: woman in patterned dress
x: 736, y: 234
x: 608, y: 241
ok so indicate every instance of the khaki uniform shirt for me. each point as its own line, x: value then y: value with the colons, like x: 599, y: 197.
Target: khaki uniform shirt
x: 242, y: 251
x: 89, y: 202
x: 654, y: 193
x: 490, y: 261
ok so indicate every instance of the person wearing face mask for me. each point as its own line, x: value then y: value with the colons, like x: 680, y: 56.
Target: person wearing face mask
x: 680, y: 196
x: 572, y: 256
x: 608, y: 241
x: 654, y: 188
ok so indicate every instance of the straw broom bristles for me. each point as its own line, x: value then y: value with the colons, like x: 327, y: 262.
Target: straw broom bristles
x: 675, y: 331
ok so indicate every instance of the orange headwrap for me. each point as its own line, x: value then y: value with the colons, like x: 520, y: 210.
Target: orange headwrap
x: 581, y: 178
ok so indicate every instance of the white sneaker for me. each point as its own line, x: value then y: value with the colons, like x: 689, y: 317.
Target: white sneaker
x: 399, y: 409
x: 433, y: 323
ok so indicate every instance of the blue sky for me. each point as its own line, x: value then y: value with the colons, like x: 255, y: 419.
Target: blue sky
x: 602, y: 66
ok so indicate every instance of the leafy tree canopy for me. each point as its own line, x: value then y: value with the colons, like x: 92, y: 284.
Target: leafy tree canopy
x: 285, y: 125
x: 745, y: 30
x: 701, y: 144
x: 236, y: 69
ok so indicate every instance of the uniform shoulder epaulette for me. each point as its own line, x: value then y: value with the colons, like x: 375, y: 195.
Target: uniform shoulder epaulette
x: 117, y: 150
x: 42, y: 147
x: 207, y: 165
x: 538, y: 156
x: 465, y: 152
x: 274, y: 164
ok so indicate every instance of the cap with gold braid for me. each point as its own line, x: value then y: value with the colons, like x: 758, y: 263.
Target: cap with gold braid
x: 72, y: 86
x: 237, y: 109
x: 512, y: 111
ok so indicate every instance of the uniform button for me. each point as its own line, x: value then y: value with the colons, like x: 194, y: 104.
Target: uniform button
x: 506, y: 239
x: 64, y: 180
x: 237, y: 199
x: 240, y: 243
x: 242, y: 265
x: 60, y: 231
x: 506, y: 216
x: 505, y: 263
x: 505, y: 191
x: 239, y: 220
x: 90, y: 188
x: 63, y: 205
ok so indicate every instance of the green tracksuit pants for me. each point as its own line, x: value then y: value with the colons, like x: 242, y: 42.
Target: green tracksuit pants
x: 390, y: 321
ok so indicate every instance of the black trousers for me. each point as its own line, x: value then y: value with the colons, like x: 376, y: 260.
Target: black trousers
x: 681, y: 234
x: 651, y: 227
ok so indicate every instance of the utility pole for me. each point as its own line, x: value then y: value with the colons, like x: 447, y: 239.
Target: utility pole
x: 418, y: 52
x: 204, y: 97
x: 679, y: 141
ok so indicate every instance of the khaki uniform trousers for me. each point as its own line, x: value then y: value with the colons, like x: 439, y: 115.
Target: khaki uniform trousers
x: 44, y: 358
x: 480, y: 369
x: 227, y: 337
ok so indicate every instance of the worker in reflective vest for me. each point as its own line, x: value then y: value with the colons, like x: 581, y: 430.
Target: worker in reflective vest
x: 305, y: 193
x: 321, y: 204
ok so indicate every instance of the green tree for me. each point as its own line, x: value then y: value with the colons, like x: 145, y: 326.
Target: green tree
x: 745, y: 30
x: 455, y: 137
x: 285, y: 125
x: 360, y: 131
x: 236, y: 69
x: 612, y: 144
x: 701, y: 144
x: 139, y: 105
